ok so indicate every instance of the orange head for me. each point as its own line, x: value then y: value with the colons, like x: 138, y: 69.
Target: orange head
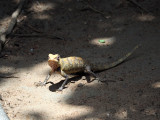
x: 53, y: 61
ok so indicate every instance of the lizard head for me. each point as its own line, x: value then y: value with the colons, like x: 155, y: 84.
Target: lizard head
x: 53, y: 61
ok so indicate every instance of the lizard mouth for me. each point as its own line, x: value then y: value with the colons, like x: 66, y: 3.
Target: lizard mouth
x: 53, y: 64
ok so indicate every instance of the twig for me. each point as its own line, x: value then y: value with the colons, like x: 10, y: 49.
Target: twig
x: 1, y: 76
x: 42, y: 35
x: 38, y: 35
x: 135, y: 3
x: 34, y: 29
x: 11, y: 25
x: 96, y: 11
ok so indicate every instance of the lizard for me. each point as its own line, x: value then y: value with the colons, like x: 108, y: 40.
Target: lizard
x: 70, y: 65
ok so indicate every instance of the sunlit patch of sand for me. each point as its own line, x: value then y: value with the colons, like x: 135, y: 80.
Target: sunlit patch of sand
x: 40, y: 7
x: 121, y: 114
x: 146, y: 17
x: 156, y: 85
x: 108, y: 41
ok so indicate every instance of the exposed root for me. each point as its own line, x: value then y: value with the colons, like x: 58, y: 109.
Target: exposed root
x: 11, y: 25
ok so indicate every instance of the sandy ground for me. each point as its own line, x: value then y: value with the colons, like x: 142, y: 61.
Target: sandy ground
x: 131, y: 90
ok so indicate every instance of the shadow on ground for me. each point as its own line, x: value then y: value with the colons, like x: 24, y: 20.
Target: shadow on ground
x: 120, y: 100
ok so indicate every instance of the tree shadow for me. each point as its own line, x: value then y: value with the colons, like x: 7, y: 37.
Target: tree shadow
x: 115, y: 102
x: 4, y: 76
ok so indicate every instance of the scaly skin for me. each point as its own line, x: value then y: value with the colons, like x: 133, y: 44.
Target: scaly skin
x: 70, y: 65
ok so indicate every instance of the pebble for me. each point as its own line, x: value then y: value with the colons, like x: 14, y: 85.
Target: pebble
x: 80, y: 85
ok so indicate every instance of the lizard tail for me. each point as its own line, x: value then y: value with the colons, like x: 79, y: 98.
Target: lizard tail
x: 108, y: 66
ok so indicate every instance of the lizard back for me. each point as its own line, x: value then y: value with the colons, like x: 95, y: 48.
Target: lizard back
x: 72, y: 64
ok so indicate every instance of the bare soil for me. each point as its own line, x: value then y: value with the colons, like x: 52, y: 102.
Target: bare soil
x: 131, y: 90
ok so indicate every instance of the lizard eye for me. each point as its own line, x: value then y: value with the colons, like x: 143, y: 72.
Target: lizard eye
x: 58, y: 58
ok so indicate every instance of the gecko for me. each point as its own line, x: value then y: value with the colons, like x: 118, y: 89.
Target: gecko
x: 70, y: 65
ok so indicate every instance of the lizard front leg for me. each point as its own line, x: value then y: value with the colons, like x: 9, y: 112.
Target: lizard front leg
x: 45, y: 81
x: 65, y: 81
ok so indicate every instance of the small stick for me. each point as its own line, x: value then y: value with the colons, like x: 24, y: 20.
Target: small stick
x: 34, y: 29
x: 38, y: 35
x: 96, y: 11
x: 44, y: 34
x: 135, y: 3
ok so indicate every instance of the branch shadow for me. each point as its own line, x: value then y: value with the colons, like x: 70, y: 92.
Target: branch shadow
x: 34, y: 116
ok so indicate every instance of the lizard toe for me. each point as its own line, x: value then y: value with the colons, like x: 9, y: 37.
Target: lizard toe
x: 98, y: 79
x: 37, y: 84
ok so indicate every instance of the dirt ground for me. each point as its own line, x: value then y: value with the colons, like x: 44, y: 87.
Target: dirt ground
x: 131, y: 90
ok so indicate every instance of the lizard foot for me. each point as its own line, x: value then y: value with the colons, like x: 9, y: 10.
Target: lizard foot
x: 98, y: 79
x: 37, y: 84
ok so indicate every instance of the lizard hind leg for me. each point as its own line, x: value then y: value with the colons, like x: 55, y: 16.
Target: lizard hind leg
x: 63, y: 84
x: 88, y: 70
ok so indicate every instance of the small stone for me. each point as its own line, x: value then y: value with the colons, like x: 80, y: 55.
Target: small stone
x: 80, y: 85
x: 70, y: 9
x: 85, y: 22
x: 153, y: 68
x: 110, y: 57
x: 83, y: 77
x: 31, y: 50
x: 121, y: 79
x: 108, y: 114
x: 1, y: 98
